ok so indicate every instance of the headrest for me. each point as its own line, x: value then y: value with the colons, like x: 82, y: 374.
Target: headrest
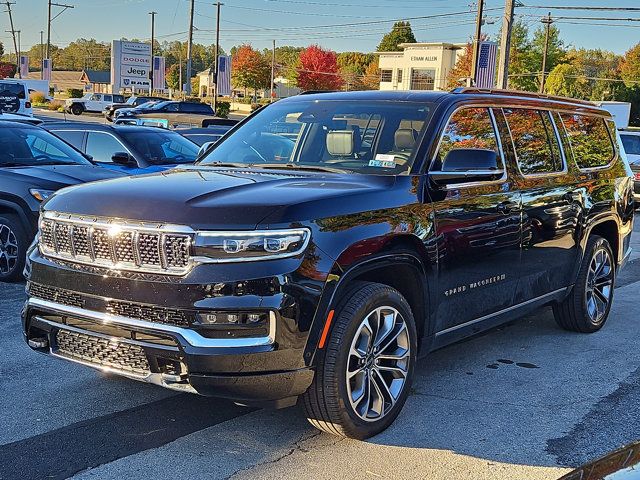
x: 340, y: 143
x: 405, y: 138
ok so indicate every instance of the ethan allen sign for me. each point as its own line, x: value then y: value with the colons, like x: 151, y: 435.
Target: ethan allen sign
x: 424, y: 59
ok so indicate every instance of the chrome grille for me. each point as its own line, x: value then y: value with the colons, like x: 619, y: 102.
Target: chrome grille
x: 117, y: 244
x: 57, y: 295
x: 103, y: 352
x: 149, y: 313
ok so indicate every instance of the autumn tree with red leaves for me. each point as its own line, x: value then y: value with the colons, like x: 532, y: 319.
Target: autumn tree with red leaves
x: 8, y: 70
x: 318, y: 69
x: 250, y: 69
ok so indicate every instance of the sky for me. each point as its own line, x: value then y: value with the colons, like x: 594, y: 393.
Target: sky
x: 342, y: 25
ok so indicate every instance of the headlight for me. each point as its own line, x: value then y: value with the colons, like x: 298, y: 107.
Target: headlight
x: 41, y: 195
x: 221, y: 247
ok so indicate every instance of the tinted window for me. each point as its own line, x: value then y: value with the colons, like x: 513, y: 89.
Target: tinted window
x: 201, y: 139
x: 32, y: 146
x: 468, y: 128
x: 196, y: 108
x: 631, y: 144
x: 73, y: 138
x: 12, y: 89
x: 171, y: 107
x: 590, y: 140
x: 118, y: 98
x: 160, y: 147
x: 102, y: 146
x: 534, y: 140
x: 108, y: 98
x: 362, y: 136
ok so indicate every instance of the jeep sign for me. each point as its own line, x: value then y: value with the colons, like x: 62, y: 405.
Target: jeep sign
x: 130, y: 66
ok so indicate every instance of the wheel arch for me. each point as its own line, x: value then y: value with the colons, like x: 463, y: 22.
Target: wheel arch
x: 607, y: 227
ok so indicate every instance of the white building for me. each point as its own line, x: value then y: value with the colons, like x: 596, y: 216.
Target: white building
x: 420, y: 66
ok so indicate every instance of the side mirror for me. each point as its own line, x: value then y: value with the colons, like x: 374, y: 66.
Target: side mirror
x: 467, y: 165
x: 204, y: 147
x: 122, y: 158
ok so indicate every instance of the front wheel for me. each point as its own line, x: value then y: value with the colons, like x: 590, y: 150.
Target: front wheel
x: 13, y: 246
x: 77, y: 109
x: 587, y: 307
x: 364, y: 374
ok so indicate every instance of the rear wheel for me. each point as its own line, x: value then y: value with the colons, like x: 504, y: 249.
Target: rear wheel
x: 13, y: 247
x: 587, y: 307
x: 364, y: 376
x: 77, y: 109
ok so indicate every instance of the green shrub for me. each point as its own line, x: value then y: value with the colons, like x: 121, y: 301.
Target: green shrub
x: 75, y: 92
x: 37, y: 98
x: 56, y: 105
x: 223, y: 109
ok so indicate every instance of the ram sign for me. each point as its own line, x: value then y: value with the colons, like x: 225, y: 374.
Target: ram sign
x: 130, y: 65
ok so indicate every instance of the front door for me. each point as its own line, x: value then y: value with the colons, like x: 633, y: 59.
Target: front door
x: 477, y: 227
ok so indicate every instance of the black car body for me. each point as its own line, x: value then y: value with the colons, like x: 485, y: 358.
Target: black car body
x: 128, y: 149
x: 33, y: 165
x: 170, y: 114
x: 317, y: 247
x: 132, y: 102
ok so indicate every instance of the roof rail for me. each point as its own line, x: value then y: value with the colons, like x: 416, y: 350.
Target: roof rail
x: 313, y: 92
x: 520, y: 93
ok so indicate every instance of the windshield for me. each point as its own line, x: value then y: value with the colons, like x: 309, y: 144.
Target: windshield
x: 363, y: 136
x: 631, y: 144
x: 131, y: 100
x: 23, y: 146
x: 161, y: 147
x: 12, y: 89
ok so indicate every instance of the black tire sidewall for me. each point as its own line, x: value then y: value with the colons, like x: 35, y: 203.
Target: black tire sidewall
x: 595, y: 244
x: 16, y: 227
x: 384, y: 296
x: 77, y: 109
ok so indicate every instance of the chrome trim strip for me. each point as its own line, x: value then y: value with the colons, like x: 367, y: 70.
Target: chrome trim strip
x: 125, y: 224
x: 499, y: 312
x: 192, y: 337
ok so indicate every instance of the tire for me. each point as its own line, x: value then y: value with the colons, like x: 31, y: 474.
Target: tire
x: 328, y: 401
x: 13, y: 248
x: 586, y: 309
x: 77, y: 109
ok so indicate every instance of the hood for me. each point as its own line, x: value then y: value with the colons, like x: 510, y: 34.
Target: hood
x: 215, y: 198
x: 54, y: 177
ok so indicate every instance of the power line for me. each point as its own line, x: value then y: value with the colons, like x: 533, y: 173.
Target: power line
x: 577, y: 7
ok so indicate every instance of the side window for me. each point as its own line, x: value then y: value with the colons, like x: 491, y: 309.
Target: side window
x: 590, y: 140
x: 386, y: 75
x: 102, y: 146
x: 534, y: 140
x: 468, y: 128
x: 71, y: 137
x: 39, y: 146
x: 108, y: 98
x: 172, y: 107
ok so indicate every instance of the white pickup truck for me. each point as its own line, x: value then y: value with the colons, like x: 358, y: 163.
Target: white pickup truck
x: 92, y: 102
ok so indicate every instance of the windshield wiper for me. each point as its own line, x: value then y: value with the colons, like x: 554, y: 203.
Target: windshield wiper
x: 292, y: 166
x: 226, y: 164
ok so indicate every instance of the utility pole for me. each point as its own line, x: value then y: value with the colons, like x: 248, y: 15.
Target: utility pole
x: 505, y: 44
x: 41, y: 53
x: 215, y: 62
x: 50, y: 19
x: 476, y: 43
x: 273, y: 69
x: 547, y: 21
x: 13, y: 34
x: 189, y: 47
x: 153, y: 38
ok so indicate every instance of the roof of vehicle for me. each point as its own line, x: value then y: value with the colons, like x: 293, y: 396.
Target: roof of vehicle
x: 212, y: 130
x: 99, y: 127
x: 13, y: 123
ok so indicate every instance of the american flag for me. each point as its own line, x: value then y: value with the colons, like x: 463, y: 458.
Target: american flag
x: 158, y: 73
x: 486, y: 71
x: 46, y: 69
x: 223, y: 83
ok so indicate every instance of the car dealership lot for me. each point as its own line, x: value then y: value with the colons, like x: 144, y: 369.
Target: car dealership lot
x: 518, y: 402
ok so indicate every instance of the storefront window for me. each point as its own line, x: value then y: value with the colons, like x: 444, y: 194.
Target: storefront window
x: 423, y: 78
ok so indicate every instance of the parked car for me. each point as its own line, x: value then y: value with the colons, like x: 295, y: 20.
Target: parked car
x: 132, y: 102
x: 200, y: 136
x: 91, y: 102
x: 131, y: 150
x: 14, y: 97
x: 33, y: 165
x: 317, y: 269
x: 631, y: 143
x: 130, y: 112
x: 173, y: 113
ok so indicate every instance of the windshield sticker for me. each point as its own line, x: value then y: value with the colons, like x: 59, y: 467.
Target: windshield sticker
x: 383, y: 160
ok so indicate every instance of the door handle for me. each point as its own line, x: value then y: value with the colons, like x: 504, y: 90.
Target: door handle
x: 508, y: 207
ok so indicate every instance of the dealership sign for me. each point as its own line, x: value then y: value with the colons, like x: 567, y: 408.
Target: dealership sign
x: 130, y: 65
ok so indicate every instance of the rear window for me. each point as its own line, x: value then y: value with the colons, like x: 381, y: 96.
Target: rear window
x: 590, y: 140
x: 631, y: 144
x: 534, y: 140
x: 13, y: 89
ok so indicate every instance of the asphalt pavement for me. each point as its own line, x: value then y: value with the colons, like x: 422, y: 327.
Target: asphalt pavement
x: 523, y: 401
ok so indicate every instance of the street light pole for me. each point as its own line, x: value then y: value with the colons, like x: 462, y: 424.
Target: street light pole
x: 41, y: 54
x: 13, y: 34
x: 189, y: 48
x: 547, y: 21
x: 215, y: 62
x: 153, y: 38
x: 505, y: 44
x: 476, y: 43
x: 49, y: 20
x: 273, y: 69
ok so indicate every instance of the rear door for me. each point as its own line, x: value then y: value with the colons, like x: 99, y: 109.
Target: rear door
x: 550, y: 202
x: 477, y: 228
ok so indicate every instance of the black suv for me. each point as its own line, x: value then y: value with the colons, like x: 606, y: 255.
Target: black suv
x: 316, y: 251
x: 33, y: 164
x: 132, y: 102
x: 169, y: 114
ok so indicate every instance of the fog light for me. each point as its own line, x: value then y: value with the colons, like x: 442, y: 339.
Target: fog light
x: 232, y: 318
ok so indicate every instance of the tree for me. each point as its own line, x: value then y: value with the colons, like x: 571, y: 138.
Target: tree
x: 249, y: 69
x: 595, y: 64
x: 286, y: 61
x: 352, y: 67
x: 400, y: 33
x: 521, y: 62
x: 462, y: 69
x: 555, y: 54
x: 8, y: 70
x: 318, y: 70
x: 1, y: 49
x: 371, y: 78
x: 565, y: 80
x: 630, y: 68
x: 173, y: 77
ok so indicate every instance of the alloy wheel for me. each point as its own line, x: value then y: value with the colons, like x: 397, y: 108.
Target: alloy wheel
x: 8, y: 250
x: 378, y: 363
x: 599, y: 284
